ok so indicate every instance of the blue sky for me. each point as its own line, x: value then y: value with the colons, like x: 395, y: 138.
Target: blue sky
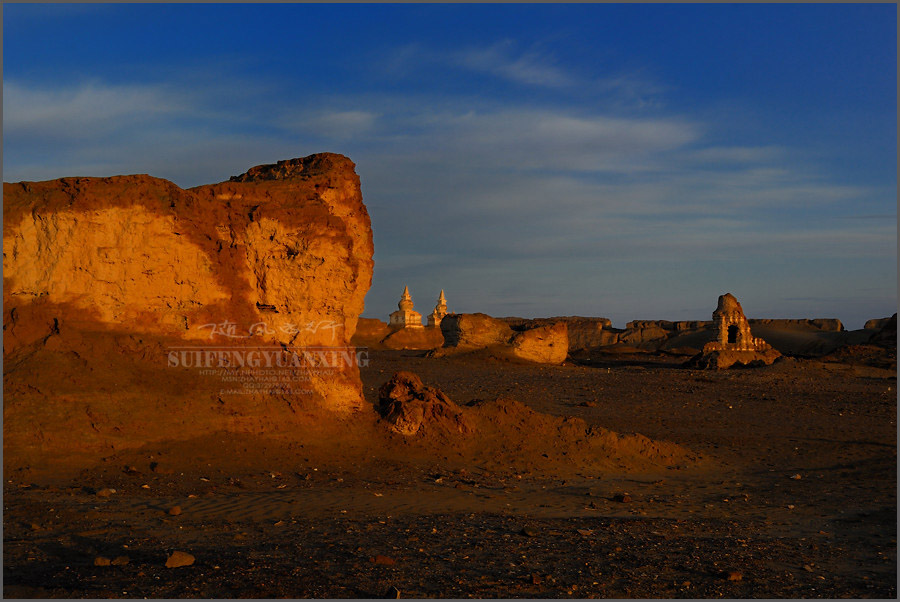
x: 626, y: 161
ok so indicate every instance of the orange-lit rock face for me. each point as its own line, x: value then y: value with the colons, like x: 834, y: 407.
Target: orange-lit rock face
x: 287, y: 248
x: 112, y: 263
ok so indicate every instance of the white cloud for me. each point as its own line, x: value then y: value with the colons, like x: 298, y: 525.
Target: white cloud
x: 736, y: 154
x: 503, y: 60
x: 334, y: 124
x: 521, y: 138
x: 85, y: 111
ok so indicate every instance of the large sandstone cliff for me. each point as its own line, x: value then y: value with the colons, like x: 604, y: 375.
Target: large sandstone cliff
x: 103, y: 277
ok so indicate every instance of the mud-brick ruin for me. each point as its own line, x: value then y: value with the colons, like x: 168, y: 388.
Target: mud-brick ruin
x: 734, y: 343
x: 733, y: 328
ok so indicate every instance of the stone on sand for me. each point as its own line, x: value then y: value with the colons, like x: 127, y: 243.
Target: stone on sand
x: 179, y: 559
x: 542, y: 345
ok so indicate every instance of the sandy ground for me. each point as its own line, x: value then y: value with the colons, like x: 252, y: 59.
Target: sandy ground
x: 795, y: 496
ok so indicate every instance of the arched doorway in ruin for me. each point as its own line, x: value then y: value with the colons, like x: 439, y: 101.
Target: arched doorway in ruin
x: 733, y: 334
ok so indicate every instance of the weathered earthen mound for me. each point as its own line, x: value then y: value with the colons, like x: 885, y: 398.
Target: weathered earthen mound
x: 106, y: 278
x: 413, y: 338
x: 507, y: 433
x: 375, y: 334
x: 878, y: 323
x: 886, y: 335
x: 721, y: 359
x: 875, y: 356
x: 411, y: 408
x: 370, y: 332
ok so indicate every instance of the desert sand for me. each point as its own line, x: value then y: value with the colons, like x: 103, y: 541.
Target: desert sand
x: 792, y: 494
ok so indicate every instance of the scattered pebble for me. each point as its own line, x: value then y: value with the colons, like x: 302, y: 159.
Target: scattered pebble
x: 734, y: 576
x: 101, y: 561
x: 528, y: 532
x: 174, y: 511
x: 105, y: 492
x: 622, y: 497
x: 120, y: 561
x: 385, y: 560
x: 178, y: 559
x: 796, y: 477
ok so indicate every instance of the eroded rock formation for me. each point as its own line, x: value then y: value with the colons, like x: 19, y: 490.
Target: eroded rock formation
x: 474, y: 331
x: 886, y: 333
x: 464, y: 333
x: 583, y: 333
x: 104, y: 276
x: 542, y: 345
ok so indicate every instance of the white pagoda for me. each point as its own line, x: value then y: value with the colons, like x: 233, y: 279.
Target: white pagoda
x: 405, y: 317
x: 440, y: 310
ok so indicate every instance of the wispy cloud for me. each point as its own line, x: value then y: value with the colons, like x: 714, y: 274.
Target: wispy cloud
x: 339, y: 125
x: 505, y: 60
x: 84, y: 111
x: 736, y: 154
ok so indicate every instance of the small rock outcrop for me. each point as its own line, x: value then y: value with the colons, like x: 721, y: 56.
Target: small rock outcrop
x: 411, y: 408
x: 734, y: 343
